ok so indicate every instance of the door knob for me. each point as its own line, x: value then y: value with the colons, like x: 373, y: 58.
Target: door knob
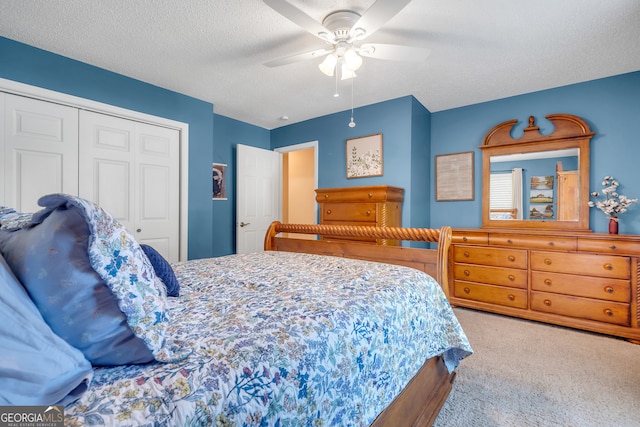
x: 243, y: 224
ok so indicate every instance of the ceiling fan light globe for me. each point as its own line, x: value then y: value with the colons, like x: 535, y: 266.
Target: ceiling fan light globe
x: 352, y: 60
x: 328, y: 65
x: 346, y: 73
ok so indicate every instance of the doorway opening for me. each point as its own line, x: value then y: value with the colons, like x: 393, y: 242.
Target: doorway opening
x: 299, y: 182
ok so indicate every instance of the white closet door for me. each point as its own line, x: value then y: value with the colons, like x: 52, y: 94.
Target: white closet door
x: 131, y: 169
x: 40, y: 153
x: 158, y: 184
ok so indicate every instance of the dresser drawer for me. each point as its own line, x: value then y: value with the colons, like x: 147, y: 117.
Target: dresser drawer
x: 616, y: 267
x: 374, y: 193
x: 609, y: 246
x: 590, y: 287
x: 582, y: 308
x: 510, y: 297
x: 493, y: 275
x: 361, y: 212
x: 534, y: 242
x: 470, y: 238
x: 510, y: 258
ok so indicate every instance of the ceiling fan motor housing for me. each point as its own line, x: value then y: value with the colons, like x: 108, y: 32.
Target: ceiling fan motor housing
x: 340, y: 24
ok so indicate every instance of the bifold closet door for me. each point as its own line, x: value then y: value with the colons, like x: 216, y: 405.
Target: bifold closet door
x: 39, y: 149
x: 131, y: 169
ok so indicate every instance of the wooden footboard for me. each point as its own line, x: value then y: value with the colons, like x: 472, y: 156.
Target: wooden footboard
x: 420, y: 401
x: 432, y: 261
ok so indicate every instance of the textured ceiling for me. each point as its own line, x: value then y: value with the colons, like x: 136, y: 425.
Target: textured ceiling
x: 215, y: 50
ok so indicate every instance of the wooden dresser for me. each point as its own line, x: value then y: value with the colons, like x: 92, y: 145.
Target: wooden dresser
x: 378, y: 206
x: 581, y: 280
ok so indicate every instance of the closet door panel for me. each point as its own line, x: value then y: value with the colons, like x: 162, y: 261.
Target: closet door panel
x: 40, y: 153
x: 158, y: 209
x: 107, y: 165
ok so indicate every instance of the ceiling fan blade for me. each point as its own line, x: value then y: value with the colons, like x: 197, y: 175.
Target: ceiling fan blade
x: 298, y: 57
x: 394, y: 52
x: 298, y: 17
x: 378, y: 14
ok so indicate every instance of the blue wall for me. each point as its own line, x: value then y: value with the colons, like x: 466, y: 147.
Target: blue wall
x: 412, y: 137
x: 611, y: 107
x: 227, y: 134
x: 37, y: 67
x: 391, y: 118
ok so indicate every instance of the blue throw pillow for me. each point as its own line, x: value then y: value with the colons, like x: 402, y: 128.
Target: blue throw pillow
x: 36, y: 367
x: 163, y: 270
x: 91, y: 282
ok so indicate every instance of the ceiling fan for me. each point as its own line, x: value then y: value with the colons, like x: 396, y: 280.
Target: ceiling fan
x: 343, y: 31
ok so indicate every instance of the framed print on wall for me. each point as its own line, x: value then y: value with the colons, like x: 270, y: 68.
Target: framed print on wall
x: 364, y: 156
x: 454, y: 176
x: 219, y: 171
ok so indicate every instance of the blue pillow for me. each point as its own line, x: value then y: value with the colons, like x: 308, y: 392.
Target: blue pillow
x: 36, y: 367
x: 91, y: 282
x: 163, y: 270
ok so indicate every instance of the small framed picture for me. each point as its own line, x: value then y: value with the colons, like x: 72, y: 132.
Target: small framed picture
x: 454, y: 176
x: 364, y: 156
x: 219, y: 181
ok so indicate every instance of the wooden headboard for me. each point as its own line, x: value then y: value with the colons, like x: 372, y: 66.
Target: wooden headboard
x: 432, y: 261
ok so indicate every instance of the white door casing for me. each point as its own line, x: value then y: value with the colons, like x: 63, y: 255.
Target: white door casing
x: 40, y: 154
x: 131, y: 169
x: 258, y: 198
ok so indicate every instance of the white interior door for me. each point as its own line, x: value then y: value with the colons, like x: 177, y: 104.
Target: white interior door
x: 40, y: 154
x: 258, y: 198
x: 131, y: 169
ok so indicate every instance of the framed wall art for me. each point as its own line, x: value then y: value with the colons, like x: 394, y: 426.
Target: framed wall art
x: 454, y: 176
x: 364, y: 156
x: 219, y: 171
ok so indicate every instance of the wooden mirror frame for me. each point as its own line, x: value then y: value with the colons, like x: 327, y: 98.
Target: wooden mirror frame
x: 569, y: 132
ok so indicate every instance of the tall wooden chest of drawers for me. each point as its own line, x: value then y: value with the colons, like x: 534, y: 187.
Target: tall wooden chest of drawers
x: 586, y: 281
x: 378, y: 206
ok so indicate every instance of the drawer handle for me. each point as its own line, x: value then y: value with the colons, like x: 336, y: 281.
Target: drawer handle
x: 551, y: 243
x: 326, y: 196
x: 609, y: 289
x: 512, y: 277
x: 608, y: 267
x: 547, y: 302
x: 466, y: 253
x: 467, y: 290
x: 368, y: 213
x: 612, y: 246
x: 370, y: 195
x: 608, y: 312
x: 464, y: 239
x: 547, y: 261
x: 511, y: 258
x: 509, y: 241
x: 512, y: 297
x: 466, y: 272
x: 547, y: 282
x: 328, y: 211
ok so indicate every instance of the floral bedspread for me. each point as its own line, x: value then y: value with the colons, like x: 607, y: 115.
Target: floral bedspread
x: 282, y: 339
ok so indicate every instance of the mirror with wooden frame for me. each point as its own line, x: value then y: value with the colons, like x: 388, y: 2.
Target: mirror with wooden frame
x: 537, y: 181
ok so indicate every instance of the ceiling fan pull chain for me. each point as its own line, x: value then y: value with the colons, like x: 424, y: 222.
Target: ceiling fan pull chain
x: 352, y: 124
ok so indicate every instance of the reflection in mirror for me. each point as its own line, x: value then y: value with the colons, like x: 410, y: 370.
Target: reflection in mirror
x: 540, y: 185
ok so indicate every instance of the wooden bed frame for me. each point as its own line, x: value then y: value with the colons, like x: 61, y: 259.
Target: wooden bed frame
x: 420, y: 402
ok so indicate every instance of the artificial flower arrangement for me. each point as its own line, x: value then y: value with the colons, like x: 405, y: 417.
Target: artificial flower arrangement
x: 611, y: 203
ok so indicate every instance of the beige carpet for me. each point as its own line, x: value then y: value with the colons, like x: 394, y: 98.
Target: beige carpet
x: 531, y: 374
